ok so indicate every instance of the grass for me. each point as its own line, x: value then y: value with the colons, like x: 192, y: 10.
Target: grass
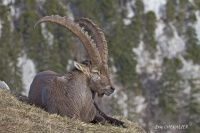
x: 19, y: 117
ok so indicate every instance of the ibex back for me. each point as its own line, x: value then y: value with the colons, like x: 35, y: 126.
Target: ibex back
x: 72, y: 94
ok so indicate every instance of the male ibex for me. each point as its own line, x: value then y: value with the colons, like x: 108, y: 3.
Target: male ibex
x: 73, y: 94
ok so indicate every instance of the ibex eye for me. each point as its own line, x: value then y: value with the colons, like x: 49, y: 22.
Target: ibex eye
x: 96, y: 72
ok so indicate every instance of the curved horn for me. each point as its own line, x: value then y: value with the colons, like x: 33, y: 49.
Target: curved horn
x: 79, y: 32
x: 98, y: 35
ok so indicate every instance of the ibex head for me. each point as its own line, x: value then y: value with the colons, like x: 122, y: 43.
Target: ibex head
x: 97, y: 70
x: 98, y: 79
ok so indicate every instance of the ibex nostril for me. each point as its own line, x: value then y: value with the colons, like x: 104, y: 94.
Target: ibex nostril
x: 112, y: 88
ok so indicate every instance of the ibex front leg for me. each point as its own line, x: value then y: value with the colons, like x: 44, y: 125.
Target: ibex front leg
x: 102, y: 116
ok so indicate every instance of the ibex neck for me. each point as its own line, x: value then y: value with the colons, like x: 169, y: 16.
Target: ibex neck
x: 77, y: 78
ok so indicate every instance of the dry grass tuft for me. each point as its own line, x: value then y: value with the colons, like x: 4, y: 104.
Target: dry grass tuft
x: 18, y: 117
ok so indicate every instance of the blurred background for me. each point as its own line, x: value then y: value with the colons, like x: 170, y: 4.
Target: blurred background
x: 154, y: 53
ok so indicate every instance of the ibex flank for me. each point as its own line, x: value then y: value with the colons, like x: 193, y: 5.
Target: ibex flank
x: 72, y: 94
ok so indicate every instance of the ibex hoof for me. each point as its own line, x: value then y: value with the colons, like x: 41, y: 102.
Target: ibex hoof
x: 116, y: 122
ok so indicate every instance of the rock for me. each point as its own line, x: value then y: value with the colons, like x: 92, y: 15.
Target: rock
x: 3, y: 85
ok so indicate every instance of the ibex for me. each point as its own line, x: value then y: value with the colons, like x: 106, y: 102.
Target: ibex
x: 72, y: 94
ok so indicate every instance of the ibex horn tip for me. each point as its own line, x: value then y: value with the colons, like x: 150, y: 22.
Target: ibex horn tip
x: 39, y: 21
x: 35, y: 25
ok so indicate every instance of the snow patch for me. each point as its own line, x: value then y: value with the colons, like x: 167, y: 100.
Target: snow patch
x: 122, y: 102
x: 69, y: 13
x: 145, y: 64
x: 189, y: 69
x: 127, y: 21
x: 139, y: 102
x: 167, y: 47
x: 114, y: 69
x: 28, y: 72
x: 187, y: 89
x: 159, y: 31
x: 46, y: 34
x: 170, y: 47
x: 6, y: 2
x: 155, y: 6
x: 130, y: 12
x: 70, y: 64
x: 0, y: 27
x: 191, y: 1
x: 197, y: 24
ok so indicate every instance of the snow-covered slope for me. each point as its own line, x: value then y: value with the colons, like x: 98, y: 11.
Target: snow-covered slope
x: 167, y: 47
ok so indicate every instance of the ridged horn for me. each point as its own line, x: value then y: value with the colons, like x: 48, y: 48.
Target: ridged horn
x: 98, y: 36
x: 79, y: 32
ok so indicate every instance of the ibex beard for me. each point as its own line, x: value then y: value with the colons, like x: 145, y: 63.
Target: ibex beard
x: 73, y: 93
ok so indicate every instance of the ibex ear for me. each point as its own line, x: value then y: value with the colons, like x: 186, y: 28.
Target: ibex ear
x: 80, y: 67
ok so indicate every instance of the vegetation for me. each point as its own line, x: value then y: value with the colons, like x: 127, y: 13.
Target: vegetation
x: 16, y: 116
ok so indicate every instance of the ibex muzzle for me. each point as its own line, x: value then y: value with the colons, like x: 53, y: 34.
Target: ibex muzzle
x: 72, y: 94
